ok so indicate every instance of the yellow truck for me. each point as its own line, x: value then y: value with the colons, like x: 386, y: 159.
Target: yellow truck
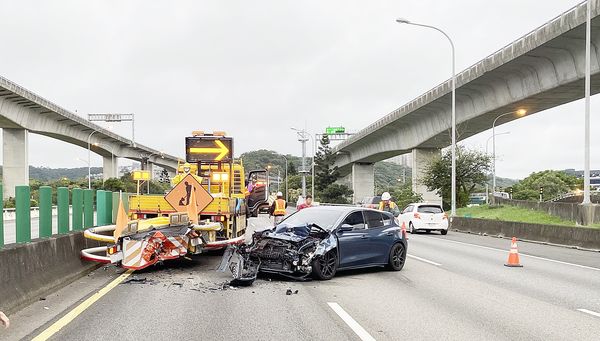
x: 209, y: 159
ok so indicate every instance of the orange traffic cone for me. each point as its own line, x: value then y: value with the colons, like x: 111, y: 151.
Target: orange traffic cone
x: 404, y: 230
x: 513, y: 255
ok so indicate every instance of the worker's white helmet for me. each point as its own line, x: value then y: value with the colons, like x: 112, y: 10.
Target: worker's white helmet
x: 386, y: 196
x: 279, y: 194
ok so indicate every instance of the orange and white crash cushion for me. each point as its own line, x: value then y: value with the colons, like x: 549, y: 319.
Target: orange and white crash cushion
x: 133, y: 254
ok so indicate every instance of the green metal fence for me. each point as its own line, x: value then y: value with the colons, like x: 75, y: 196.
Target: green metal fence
x: 74, y: 211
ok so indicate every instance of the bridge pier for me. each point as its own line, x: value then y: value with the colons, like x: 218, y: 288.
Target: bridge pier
x: 363, y: 181
x: 420, y: 159
x: 109, y: 167
x: 15, y: 160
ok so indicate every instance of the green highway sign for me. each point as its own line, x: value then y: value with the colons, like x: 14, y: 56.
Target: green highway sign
x: 335, y: 130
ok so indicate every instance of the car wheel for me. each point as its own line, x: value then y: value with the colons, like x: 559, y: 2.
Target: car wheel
x: 397, y: 257
x: 444, y: 232
x: 411, y: 228
x: 326, y: 266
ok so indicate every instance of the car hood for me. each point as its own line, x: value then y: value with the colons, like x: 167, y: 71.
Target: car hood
x: 288, y: 233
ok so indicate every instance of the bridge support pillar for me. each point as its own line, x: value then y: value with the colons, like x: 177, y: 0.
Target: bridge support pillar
x: 15, y: 160
x: 150, y: 168
x: 109, y: 165
x: 363, y: 181
x: 420, y: 159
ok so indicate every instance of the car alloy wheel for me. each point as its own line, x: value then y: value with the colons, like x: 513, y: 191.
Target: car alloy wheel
x: 326, y: 266
x: 397, y: 257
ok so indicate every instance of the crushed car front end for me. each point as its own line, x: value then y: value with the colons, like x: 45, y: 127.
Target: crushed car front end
x: 285, y: 250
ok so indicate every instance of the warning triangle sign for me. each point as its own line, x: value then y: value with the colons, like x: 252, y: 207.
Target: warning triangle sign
x: 181, y: 195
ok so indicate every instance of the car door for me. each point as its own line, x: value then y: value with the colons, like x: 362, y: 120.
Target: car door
x: 381, y: 236
x: 353, y: 246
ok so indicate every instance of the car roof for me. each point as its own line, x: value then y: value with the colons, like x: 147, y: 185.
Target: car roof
x: 426, y: 204
x: 343, y: 208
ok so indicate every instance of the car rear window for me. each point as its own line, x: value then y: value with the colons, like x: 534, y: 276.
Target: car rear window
x: 430, y: 209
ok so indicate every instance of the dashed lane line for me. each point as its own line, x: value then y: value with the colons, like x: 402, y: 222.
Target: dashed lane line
x: 356, y: 328
x: 424, y: 260
x: 589, y: 312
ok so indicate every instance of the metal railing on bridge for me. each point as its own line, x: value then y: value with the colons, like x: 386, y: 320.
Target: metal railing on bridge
x: 75, y: 210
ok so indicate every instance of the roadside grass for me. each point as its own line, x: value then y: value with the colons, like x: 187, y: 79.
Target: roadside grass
x: 513, y: 213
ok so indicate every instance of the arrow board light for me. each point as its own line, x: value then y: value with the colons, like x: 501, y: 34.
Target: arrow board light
x: 200, y: 148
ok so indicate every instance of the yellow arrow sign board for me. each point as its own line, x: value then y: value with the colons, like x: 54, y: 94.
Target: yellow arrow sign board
x: 208, y: 149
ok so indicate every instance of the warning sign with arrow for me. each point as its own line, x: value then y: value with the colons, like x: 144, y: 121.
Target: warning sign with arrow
x: 179, y: 197
x: 208, y: 149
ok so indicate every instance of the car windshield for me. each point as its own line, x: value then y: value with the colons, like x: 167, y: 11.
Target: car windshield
x: 325, y: 218
x: 430, y: 209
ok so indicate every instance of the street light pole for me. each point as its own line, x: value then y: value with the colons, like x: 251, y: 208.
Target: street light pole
x: 494, y: 158
x: 520, y: 112
x: 286, y: 177
x: 586, y: 151
x: 453, y: 148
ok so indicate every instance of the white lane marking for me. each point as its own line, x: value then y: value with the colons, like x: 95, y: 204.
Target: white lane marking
x: 360, y: 331
x: 589, y: 312
x: 522, y: 254
x: 424, y: 260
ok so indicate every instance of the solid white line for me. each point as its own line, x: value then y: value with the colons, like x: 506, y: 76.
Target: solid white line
x: 360, y: 331
x: 522, y: 254
x: 589, y: 312
x: 424, y: 260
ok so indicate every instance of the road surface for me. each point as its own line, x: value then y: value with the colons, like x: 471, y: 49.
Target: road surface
x: 452, y: 287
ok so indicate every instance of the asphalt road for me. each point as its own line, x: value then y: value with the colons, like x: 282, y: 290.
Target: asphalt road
x: 452, y: 287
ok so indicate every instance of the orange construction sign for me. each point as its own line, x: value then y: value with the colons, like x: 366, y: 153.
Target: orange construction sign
x: 181, y: 195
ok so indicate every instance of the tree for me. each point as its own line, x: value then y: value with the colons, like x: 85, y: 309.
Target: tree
x: 554, y: 183
x: 403, y: 195
x: 471, y: 171
x: 335, y: 194
x: 326, y: 174
x: 325, y: 171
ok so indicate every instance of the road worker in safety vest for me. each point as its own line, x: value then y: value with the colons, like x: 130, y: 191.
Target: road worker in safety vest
x: 277, y: 209
x: 386, y: 204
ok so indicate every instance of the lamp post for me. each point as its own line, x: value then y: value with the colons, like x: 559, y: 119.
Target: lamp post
x: 302, y: 137
x: 453, y: 148
x: 89, y: 162
x: 487, y: 195
x: 586, y: 150
x: 520, y: 112
x: 286, y: 177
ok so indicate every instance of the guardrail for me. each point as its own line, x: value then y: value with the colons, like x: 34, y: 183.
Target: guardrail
x: 74, y: 211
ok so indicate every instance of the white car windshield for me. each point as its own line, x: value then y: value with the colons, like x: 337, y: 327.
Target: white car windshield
x: 324, y: 217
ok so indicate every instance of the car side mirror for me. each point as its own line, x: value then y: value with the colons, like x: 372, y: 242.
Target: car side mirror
x: 345, y: 228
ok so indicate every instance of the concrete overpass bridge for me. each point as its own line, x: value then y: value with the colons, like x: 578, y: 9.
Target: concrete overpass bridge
x: 23, y: 112
x: 541, y: 70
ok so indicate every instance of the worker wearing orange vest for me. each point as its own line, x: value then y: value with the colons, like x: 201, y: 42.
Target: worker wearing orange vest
x: 277, y: 209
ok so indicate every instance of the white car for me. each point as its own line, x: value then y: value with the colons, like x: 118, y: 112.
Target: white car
x: 424, y: 217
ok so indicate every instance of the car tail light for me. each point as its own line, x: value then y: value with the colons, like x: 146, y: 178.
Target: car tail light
x: 417, y: 215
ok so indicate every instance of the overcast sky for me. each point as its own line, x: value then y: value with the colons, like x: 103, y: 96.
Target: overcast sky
x: 257, y: 68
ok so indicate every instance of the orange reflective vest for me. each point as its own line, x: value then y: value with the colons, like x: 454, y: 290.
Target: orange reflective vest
x: 279, y: 207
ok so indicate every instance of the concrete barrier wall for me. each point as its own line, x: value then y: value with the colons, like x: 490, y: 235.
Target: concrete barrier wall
x: 564, y: 210
x: 564, y: 235
x: 30, y: 271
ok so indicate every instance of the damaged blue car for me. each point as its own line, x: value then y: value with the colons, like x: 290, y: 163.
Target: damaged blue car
x: 319, y: 242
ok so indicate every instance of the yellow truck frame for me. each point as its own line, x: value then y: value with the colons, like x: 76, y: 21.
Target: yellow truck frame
x: 225, y: 182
